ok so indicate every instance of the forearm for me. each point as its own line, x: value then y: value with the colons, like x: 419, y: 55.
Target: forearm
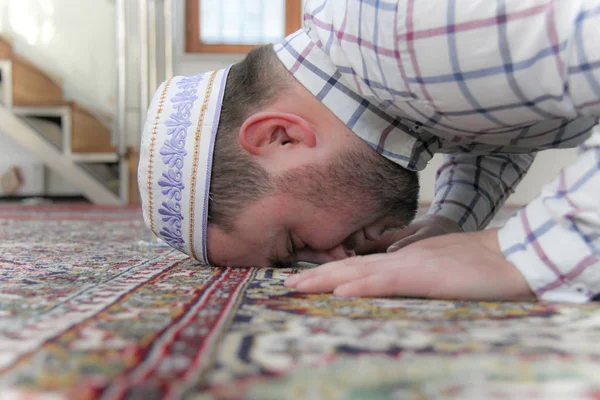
x: 555, y: 240
x: 470, y: 189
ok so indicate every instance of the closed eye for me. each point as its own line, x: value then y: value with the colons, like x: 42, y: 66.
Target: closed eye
x: 293, y: 249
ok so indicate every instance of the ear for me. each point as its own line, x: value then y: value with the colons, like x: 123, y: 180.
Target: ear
x: 268, y: 132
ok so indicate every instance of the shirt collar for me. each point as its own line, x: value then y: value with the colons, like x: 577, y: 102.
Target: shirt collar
x: 390, y: 136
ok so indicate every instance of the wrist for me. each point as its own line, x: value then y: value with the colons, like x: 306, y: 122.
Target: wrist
x: 454, y: 213
x: 446, y: 223
x: 489, y: 240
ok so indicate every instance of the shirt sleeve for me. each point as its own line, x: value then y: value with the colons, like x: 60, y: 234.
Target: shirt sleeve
x: 470, y: 189
x: 555, y: 240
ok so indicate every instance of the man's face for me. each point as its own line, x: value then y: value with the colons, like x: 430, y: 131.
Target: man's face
x: 319, y: 213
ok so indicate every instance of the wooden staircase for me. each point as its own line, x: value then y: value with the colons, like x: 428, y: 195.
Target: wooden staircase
x: 27, y: 94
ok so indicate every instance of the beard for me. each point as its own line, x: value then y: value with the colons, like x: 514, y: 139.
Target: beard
x: 361, y: 183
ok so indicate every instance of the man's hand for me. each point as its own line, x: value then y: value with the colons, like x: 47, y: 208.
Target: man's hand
x: 457, y: 266
x: 422, y: 228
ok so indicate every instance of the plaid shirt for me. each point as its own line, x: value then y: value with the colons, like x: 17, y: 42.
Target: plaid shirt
x: 489, y: 84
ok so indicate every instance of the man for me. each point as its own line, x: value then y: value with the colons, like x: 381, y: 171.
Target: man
x: 317, y: 142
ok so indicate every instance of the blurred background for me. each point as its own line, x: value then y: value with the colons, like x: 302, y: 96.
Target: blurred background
x: 76, y: 77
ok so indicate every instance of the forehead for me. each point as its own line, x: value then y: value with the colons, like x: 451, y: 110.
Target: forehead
x: 254, y: 240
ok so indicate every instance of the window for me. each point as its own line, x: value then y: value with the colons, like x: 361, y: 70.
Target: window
x: 236, y: 26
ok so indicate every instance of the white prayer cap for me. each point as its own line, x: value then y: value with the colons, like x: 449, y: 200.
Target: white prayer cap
x: 176, y: 156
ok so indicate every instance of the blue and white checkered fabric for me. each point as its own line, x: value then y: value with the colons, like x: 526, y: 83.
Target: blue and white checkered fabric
x: 490, y: 83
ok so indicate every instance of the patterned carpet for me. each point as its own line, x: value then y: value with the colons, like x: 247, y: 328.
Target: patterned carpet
x: 89, y: 309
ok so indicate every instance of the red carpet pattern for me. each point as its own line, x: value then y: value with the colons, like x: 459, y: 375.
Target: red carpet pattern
x: 89, y: 308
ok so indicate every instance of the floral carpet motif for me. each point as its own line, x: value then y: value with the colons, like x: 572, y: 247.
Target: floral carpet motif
x: 90, y: 308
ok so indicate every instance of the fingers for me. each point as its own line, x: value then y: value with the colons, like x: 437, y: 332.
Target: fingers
x: 322, y: 257
x: 327, y: 282
x: 293, y: 280
x: 326, y: 269
x: 376, y: 275
x: 409, y: 282
x: 404, y: 242
x: 455, y: 266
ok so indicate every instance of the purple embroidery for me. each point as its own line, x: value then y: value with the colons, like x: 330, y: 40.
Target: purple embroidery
x: 173, y: 155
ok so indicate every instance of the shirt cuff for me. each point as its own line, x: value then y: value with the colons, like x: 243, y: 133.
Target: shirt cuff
x: 555, y: 261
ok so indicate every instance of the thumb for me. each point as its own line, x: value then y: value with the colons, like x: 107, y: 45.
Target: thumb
x: 404, y: 242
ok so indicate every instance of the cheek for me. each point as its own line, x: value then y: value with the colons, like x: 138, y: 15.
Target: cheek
x: 323, y: 230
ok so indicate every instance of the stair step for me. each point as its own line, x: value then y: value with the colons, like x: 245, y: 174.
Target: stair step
x: 5, y: 49
x: 30, y: 138
x: 77, y: 143
x: 51, y: 131
x: 88, y: 133
x: 32, y: 87
x: 90, y: 138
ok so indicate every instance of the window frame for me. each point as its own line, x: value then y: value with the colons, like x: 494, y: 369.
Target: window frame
x: 193, y: 44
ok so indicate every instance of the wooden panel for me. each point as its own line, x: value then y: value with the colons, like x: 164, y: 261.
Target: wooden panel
x: 5, y: 49
x: 88, y: 134
x: 31, y: 87
x: 293, y: 16
x: 192, y: 26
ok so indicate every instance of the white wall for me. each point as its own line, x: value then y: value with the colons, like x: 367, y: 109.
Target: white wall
x: 73, y: 42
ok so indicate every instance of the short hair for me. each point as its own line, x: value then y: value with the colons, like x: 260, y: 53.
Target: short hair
x: 237, y: 180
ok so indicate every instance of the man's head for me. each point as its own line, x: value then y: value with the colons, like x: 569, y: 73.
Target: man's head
x: 287, y: 174
x: 244, y: 166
